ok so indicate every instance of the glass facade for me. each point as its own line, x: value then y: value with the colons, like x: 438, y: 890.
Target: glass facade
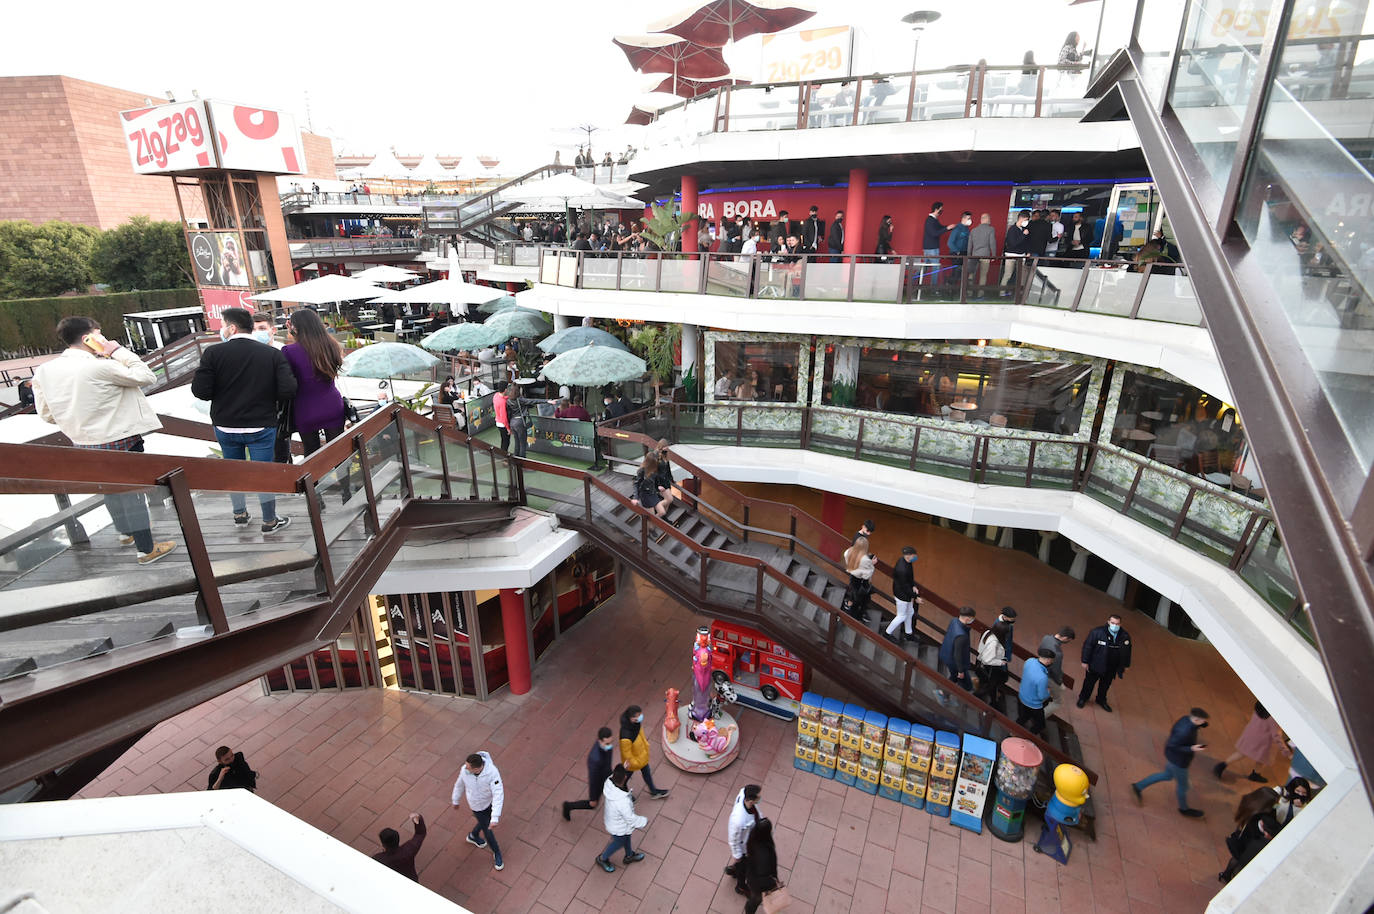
x: 1182, y: 427
x: 757, y: 371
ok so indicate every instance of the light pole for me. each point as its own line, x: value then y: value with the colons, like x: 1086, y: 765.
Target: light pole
x: 918, y: 21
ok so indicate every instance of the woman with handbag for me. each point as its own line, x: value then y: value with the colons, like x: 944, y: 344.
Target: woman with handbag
x: 860, y: 562
x: 1256, y: 825
x: 761, y: 871
x: 992, y: 664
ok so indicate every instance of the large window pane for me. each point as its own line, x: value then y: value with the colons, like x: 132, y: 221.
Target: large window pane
x: 1180, y: 426
x: 756, y: 371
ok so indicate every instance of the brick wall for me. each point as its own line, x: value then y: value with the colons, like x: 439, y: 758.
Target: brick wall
x: 319, y: 156
x: 41, y: 173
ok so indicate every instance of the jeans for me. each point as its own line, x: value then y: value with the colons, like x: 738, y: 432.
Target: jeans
x: 617, y: 841
x: 260, y: 447
x: 963, y: 679
x: 906, y: 613
x: 648, y: 779
x: 129, y: 511
x: 1176, y: 773
x: 483, y: 830
x: 519, y: 437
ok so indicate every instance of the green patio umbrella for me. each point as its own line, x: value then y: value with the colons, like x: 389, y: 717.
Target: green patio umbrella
x: 457, y: 337
x: 504, y: 303
x: 577, y: 337
x: 517, y: 322
x: 594, y: 366
x: 387, y: 360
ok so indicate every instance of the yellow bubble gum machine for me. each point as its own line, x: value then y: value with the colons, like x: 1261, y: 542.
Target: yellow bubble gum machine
x: 893, y: 772
x: 871, y: 751
x: 944, y: 768
x: 851, y: 744
x: 828, y: 737
x: 808, y: 730
x: 919, y: 747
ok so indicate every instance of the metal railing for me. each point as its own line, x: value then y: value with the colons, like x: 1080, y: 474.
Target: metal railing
x: 305, y: 248
x: 1154, y: 291
x: 1020, y: 90
x: 1232, y: 530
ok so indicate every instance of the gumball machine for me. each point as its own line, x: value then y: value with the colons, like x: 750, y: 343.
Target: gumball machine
x: 1064, y: 810
x: 1017, y: 769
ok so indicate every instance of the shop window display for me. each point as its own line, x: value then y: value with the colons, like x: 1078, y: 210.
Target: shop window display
x: 979, y: 390
x: 1180, y: 426
x: 756, y: 371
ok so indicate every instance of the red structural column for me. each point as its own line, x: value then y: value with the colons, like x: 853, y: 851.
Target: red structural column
x: 689, y: 207
x: 517, y: 640
x: 855, y: 211
x: 832, y: 515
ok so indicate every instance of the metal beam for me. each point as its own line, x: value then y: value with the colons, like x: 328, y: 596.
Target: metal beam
x: 1312, y: 477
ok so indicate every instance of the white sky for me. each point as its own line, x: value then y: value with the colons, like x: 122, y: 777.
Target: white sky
x: 507, y: 77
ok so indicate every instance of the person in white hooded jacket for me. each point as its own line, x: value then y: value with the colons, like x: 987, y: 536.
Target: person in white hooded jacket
x: 618, y: 811
x: 481, y: 783
x: 742, y: 820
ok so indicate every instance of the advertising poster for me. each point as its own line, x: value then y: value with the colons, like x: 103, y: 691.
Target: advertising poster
x: 218, y: 260
x: 568, y: 437
x: 807, y: 54
x: 256, y: 139
x: 214, y: 301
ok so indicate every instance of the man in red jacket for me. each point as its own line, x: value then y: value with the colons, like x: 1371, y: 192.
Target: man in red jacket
x: 401, y: 857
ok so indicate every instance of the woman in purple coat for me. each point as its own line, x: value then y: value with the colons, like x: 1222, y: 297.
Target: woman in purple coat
x: 315, y: 360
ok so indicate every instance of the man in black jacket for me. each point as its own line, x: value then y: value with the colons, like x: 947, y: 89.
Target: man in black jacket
x: 834, y: 241
x: 777, y: 236
x: 1040, y: 233
x: 230, y: 771
x: 1014, y: 249
x: 1106, y: 656
x: 600, y: 762
x: 1179, y: 750
x: 244, y: 380
x: 813, y: 233
x: 401, y: 857
x: 905, y: 595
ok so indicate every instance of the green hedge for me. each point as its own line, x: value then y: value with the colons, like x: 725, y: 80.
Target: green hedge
x: 28, y: 323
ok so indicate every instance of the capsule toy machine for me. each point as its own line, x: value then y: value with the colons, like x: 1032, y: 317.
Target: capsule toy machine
x: 971, y: 787
x: 851, y: 742
x: 893, y: 771
x: 920, y: 745
x: 944, y: 768
x: 871, y: 742
x: 808, y: 729
x: 828, y: 737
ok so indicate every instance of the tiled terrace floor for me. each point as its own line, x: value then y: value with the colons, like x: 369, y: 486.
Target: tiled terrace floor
x: 353, y: 763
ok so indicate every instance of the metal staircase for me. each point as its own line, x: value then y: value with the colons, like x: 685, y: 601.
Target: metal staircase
x: 473, y: 217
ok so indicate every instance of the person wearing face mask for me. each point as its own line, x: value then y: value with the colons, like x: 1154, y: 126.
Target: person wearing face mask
x: 1106, y: 657
x: 1179, y: 750
x: 600, y: 763
x: 634, y: 748
x: 265, y: 331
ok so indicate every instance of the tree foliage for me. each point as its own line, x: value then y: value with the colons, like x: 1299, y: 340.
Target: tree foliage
x: 48, y: 259
x: 142, y: 254
x: 663, y: 222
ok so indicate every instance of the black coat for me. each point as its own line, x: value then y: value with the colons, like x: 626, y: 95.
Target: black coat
x: 835, y: 240
x: 243, y: 380
x: 1107, y: 653
x: 1039, y: 238
x: 240, y: 775
x: 1017, y: 240
x: 903, y: 581
x: 813, y: 232
x: 761, y: 867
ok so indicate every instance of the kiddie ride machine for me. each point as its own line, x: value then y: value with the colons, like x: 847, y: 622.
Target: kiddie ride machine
x: 1064, y: 809
x: 766, y: 676
x: 701, y: 737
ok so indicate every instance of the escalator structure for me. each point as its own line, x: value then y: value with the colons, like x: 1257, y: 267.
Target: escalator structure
x: 791, y: 590
x: 474, y: 217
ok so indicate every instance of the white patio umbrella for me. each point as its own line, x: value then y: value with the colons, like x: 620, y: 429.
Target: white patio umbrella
x: 442, y: 291
x: 323, y: 290
x: 568, y: 190
x: 385, y: 273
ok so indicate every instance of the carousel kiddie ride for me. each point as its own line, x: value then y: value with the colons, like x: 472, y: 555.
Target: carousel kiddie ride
x: 701, y: 737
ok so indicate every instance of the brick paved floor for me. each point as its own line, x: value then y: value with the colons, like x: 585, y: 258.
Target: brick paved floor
x: 353, y: 763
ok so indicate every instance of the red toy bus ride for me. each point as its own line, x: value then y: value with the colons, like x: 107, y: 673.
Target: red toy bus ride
x: 767, y: 676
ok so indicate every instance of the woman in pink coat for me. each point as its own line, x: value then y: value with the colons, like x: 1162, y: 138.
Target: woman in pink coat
x: 1257, y: 742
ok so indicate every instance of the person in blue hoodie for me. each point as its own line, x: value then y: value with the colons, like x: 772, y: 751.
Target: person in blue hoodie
x: 958, y: 244
x: 1035, y: 690
x: 600, y: 764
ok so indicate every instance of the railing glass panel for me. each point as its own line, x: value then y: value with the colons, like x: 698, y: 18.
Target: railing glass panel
x: 761, y: 108
x: 1110, y: 290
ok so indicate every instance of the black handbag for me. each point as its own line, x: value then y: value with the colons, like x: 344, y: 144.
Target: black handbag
x: 285, y: 426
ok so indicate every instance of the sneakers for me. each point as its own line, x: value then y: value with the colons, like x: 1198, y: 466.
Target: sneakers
x: 475, y: 842
x: 241, y: 519
x: 657, y: 794
x: 1139, y: 800
x: 497, y: 863
x: 606, y: 865
x: 566, y: 817
x: 159, y: 550
x: 1192, y: 813
x: 633, y: 858
x: 276, y: 525
x: 126, y: 541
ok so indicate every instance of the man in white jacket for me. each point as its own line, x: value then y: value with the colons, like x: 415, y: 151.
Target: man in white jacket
x: 742, y: 820
x: 620, y: 818
x: 481, y: 782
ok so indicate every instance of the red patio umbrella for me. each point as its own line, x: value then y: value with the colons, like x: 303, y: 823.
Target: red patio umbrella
x: 668, y: 54
x: 719, y: 22
x: 639, y: 116
x: 691, y: 88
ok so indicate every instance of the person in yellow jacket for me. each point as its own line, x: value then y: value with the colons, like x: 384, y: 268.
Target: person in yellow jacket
x: 634, y: 748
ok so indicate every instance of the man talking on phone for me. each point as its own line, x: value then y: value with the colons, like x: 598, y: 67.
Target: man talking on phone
x: 1179, y: 750
x: 91, y: 392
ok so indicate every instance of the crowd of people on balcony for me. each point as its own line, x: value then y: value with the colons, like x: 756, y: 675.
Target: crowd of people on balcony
x: 586, y: 159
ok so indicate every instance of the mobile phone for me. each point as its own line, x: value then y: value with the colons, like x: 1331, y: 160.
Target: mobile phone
x: 94, y: 342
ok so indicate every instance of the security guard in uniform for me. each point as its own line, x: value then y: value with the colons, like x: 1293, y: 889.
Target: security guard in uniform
x: 1106, y: 656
